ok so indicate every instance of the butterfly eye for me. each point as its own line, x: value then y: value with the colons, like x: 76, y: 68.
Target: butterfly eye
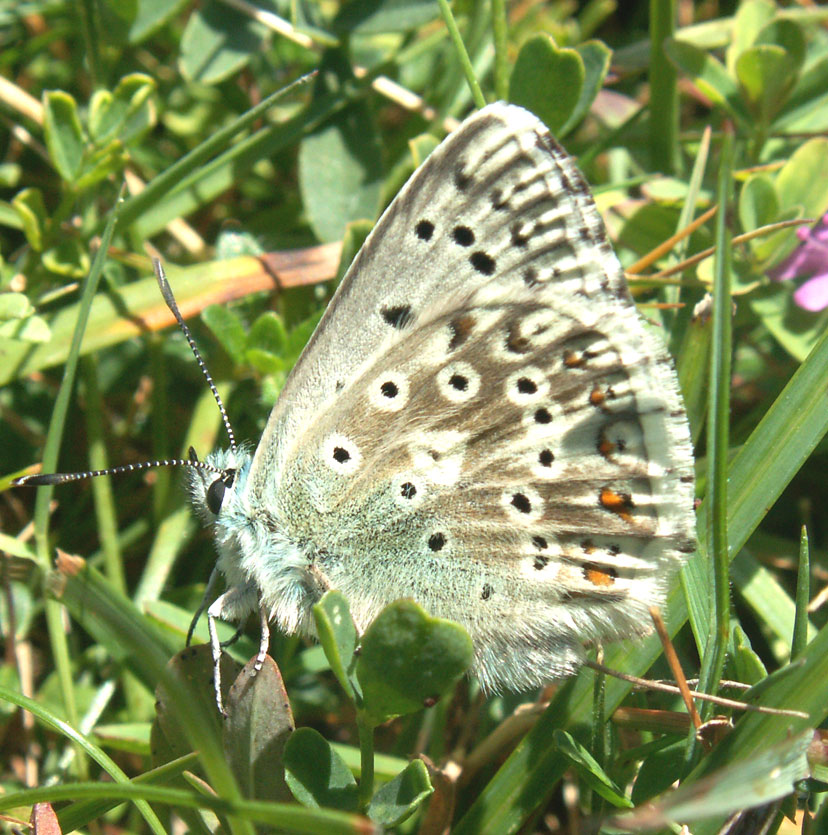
x: 215, y: 495
x: 215, y: 492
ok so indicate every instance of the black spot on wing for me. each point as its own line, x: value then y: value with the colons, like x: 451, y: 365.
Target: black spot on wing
x: 424, y: 230
x: 482, y: 262
x: 398, y: 316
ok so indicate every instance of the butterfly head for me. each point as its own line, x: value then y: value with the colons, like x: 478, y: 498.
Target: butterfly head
x: 215, y: 490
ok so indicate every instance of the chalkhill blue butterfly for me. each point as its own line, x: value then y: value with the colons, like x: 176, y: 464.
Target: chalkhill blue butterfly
x: 481, y: 422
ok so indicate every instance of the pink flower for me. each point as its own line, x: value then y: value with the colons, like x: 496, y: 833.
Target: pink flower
x: 809, y: 260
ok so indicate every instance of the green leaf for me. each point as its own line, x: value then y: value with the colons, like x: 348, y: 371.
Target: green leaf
x: 592, y: 773
x: 749, y: 666
x: 227, y: 327
x: 151, y: 15
x: 786, y: 34
x: 316, y: 775
x: 762, y: 592
x: 766, y: 74
x: 658, y: 771
x: 102, y: 164
x: 64, y: 135
x: 232, y: 242
x: 758, y: 203
x: 795, y: 329
x: 762, y: 777
x: 373, y: 17
x: 10, y: 174
x: 269, y: 334
x: 69, y: 258
x: 14, y: 306
x: 801, y: 192
x: 541, y: 66
x: 217, y: 42
x: 31, y: 210
x: 110, y: 113
x: 299, y: 336
x: 595, y: 56
x: 338, y: 636
x: 258, y: 725
x: 32, y: 329
x: 340, y: 172
x: 408, y: 660
x: 355, y: 235
x: 266, y: 363
x: 709, y: 75
x: 801, y: 181
x: 268, y: 345
x: 421, y: 147
x: 806, y: 109
x: 749, y: 19
x: 399, y: 798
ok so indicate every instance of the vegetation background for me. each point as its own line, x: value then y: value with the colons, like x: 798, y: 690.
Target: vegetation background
x: 671, y: 108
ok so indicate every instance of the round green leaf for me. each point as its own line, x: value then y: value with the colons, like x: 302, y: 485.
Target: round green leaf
x: 14, y: 306
x: 749, y: 19
x: 269, y: 334
x: 766, y: 74
x: 595, y: 56
x: 113, y: 114
x: 709, y: 75
x: 316, y: 775
x: 758, y: 203
x: 408, y: 660
x: 787, y: 35
x: 399, y: 798
x: 217, y: 42
x: 227, y: 327
x: 547, y: 80
x: 338, y: 636
x: 64, y: 136
x: 340, y: 173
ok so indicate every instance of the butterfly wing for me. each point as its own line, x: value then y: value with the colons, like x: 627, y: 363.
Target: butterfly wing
x: 481, y: 421
x: 498, y: 176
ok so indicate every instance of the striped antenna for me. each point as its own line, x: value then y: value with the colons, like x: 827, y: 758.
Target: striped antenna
x: 166, y: 292
x: 39, y: 479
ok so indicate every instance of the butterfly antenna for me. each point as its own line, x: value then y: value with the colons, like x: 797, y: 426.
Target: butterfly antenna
x: 40, y: 479
x: 166, y: 292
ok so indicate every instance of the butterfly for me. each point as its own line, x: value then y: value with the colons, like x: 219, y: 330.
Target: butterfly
x: 481, y: 422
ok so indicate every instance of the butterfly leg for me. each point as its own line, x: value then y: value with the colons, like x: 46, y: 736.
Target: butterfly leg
x: 234, y: 604
x: 234, y: 637
x: 205, y: 602
x: 264, y: 641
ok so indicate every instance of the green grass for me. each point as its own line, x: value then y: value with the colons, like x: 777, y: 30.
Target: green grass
x: 91, y: 376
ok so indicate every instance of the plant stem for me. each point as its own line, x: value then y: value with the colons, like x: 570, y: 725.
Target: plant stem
x: 366, y: 755
x: 462, y: 55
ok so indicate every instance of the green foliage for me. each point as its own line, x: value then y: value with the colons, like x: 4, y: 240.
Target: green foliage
x: 770, y: 64
x: 162, y: 93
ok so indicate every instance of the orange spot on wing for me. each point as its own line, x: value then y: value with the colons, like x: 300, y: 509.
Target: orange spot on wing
x: 572, y: 360
x: 597, y: 397
x: 620, y: 503
x: 598, y: 576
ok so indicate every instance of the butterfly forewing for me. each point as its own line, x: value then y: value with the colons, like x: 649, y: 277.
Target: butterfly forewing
x: 481, y: 421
